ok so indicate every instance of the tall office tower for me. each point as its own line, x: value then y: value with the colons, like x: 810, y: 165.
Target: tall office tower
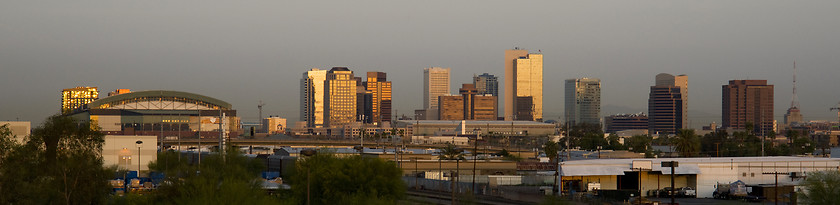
x: 74, y: 98
x: 340, y: 97
x: 468, y: 105
x: 583, y: 101
x: 748, y: 101
x: 312, y: 97
x: 486, y: 84
x: 380, y: 89
x: 523, y: 85
x: 364, y: 102
x: 668, y: 104
x: 793, y: 116
x: 435, y: 84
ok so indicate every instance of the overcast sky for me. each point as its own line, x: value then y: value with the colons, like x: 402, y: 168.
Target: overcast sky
x: 246, y: 51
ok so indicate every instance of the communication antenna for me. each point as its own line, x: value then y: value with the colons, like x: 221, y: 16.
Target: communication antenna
x: 259, y: 106
x: 794, y: 102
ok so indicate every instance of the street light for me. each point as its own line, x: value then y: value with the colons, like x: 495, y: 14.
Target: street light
x: 139, y: 144
x: 308, y: 153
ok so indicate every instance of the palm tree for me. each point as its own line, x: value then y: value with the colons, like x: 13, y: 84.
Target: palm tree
x: 451, y: 152
x: 686, y: 142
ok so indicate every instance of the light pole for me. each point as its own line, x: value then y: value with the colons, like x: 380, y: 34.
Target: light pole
x: 308, y: 153
x: 139, y: 144
x: 475, y: 155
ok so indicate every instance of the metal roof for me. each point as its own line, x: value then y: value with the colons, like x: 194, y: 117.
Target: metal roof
x: 157, y: 94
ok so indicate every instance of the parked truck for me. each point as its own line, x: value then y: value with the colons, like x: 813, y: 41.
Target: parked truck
x: 734, y: 190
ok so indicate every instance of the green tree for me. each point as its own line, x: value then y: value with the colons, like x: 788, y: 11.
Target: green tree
x: 551, y: 149
x: 614, y: 143
x: 231, y: 178
x: 639, y: 143
x: 823, y: 188
x: 686, y: 143
x: 349, y: 180
x: 59, y: 164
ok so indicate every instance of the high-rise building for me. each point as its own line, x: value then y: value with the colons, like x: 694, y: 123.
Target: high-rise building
x: 364, y: 102
x: 435, y: 84
x: 793, y: 115
x: 583, y: 101
x: 748, y: 101
x: 668, y: 104
x: 468, y: 105
x: 339, y: 97
x: 486, y: 84
x: 75, y: 98
x: 312, y: 97
x: 380, y: 89
x: 523, y: 80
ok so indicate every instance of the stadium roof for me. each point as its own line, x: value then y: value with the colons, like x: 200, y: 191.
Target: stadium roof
x: 157, y: 95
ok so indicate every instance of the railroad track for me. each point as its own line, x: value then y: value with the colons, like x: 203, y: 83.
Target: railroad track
x: 446, y: 198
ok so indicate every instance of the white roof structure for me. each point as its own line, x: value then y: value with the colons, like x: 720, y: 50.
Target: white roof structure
x: 596, y: 167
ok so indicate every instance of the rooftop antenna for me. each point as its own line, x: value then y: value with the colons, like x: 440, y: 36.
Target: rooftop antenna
x: 794, y: 102
x: 259, y: 106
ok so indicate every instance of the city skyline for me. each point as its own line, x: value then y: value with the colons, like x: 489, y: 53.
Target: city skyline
x: 621, y: 43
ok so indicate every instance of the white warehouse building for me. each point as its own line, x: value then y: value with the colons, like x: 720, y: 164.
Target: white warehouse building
x: 703, y: 174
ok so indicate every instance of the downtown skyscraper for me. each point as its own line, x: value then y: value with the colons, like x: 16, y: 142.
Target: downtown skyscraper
x: 523, y: 85
x: 380, y: 91
x: 340, y: 97
x: 312, y: 97
x: 435, y: 84
x: 748, y: 102
x: 583, y: 101
x: 486, y: 84
x: 668, y: 104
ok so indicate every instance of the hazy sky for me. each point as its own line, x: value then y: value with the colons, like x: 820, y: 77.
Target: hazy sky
x: 246, y: 51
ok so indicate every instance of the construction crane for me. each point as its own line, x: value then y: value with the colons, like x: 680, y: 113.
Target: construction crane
x: 838, y: 111
x: 259, y: 106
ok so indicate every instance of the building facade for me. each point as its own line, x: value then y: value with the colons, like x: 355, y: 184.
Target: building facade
x: 468, y: 105
x: 748, y: 101
x: 435, y: 84
x: 486, y: 84
x: 583, y: 101
x: 75, y: 98
x: 312, y: 97
x: 339, y: 97
x: 668, y: 104
x: 523, y: 80
x: 621, y: 122
x: 380, y: 89
x: 274, y: 125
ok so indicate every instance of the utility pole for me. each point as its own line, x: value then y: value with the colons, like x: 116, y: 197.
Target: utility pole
x: 776, y: 189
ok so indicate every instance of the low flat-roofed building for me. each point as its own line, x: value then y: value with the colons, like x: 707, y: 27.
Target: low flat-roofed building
x: 122, y: 150
x: 703, y: 174
x: 20, y: 129
x: 470, y: 127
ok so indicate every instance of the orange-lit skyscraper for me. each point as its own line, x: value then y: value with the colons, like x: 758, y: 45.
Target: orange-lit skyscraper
x: 380, y: 89
x: 523, y: 85
x: 340, y: 97
x: 748, y: 101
